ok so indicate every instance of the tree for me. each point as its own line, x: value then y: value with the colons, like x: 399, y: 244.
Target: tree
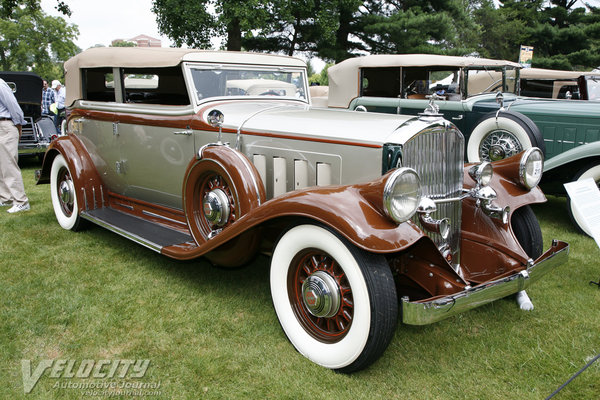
x: 416, y: 26
x: 8, y: 6
x: 123, y: 43
x: 191, y: 22
x: 32, y: 40
x: 564, y: 36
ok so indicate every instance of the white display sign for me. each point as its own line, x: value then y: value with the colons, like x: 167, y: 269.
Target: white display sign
x: 585, y: 198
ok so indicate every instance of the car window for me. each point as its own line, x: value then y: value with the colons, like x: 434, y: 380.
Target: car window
x: 411, y: 82
x: 164, y: 86
x: 98, y: 84
x: 489, y: 80
x: 215, y: 81
x: 380, y: 82
x: 593, y: 88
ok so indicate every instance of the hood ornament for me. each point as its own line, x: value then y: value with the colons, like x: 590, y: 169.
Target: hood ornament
x: 432, y: 111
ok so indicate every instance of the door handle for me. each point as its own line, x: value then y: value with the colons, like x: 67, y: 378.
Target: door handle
x: 457, y: 118
x: 187, y: 132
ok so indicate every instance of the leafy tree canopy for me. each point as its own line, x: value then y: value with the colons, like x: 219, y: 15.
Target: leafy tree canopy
x: 564, y: 33
x: 30, y: 40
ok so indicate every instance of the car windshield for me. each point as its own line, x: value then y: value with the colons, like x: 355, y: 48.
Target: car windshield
x: 216, y: 81
x: 593, y: 88
x: 489, y: 80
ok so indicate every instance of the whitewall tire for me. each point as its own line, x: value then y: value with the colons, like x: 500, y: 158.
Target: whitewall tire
x: 336, y: 303
x: 63, y: 194
x: 494, y: 138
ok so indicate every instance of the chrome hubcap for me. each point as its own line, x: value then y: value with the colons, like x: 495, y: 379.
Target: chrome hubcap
x: 66, y: 191
x: 321, y: 295
x: 498, y: 146
x: 216, y: 207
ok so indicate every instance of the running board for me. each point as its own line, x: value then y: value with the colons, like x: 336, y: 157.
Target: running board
x: 148, y: 234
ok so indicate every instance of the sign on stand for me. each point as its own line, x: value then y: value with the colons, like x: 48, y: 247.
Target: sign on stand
x: 585, y: 197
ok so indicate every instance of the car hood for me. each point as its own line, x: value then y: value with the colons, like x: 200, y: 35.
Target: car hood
x: 302, y: 121
x: 555, y: 107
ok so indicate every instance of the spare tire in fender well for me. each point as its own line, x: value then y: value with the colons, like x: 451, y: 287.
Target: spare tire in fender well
x: 519, y: 125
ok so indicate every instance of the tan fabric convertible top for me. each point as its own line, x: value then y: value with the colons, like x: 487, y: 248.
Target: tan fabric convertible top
x: 136, y: 57
x: 344, y: 77
x: 539, y: 73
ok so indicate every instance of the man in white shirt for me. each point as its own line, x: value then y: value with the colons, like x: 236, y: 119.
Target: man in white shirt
x: 60, y: 103
x: 12, y: 191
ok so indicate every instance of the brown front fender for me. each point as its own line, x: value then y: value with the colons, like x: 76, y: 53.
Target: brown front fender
x: 351, y: 210
x: 83, y: 171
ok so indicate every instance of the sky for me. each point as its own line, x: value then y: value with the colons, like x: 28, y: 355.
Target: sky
x: 100, y: 22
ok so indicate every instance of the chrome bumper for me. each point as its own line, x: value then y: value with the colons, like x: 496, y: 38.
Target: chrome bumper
x: 427, y: 312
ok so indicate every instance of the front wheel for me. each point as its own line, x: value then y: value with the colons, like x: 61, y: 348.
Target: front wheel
x: 496, y: 138
x: 63, y: 194
x: 336, y: 303
x: 590, y: 171
x: 527, y: 230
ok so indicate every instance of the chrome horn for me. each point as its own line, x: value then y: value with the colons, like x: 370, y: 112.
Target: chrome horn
x: 425, y: 209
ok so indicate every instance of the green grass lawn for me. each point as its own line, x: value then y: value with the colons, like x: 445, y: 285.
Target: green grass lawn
x: 212, y: 333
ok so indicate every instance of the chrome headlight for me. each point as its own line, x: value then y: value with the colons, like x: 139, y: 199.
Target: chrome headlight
x: 402, y: 194
x: 482, y: 173
x: 531, y: 167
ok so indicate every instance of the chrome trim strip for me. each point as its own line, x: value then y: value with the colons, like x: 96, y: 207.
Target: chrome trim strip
x: 423, y: 313
x: 121, y: 232
x: 124, y: 205
x: 151, y: 214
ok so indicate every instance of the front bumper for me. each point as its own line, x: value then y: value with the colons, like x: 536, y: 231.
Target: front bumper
x: 427, y: 312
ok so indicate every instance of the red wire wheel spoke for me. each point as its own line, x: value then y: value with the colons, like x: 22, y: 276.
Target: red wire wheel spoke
x: 207, y: 184
x: 325, y: 329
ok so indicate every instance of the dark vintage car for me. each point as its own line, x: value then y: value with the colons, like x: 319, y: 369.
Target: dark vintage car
x: 368, y: 218
x: 482, y: 97
x: 39, y: 129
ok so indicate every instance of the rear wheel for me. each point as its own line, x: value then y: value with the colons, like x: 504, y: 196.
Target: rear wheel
x: 64, y: 195
x: 590, y: 171
x: 336, y: 303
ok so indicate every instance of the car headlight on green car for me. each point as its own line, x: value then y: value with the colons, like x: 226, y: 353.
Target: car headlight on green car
x: 402, y: 194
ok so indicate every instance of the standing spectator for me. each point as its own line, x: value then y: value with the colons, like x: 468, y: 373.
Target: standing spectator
x: 48, y: 98
x: 60, y: 104
x: 12, y: 191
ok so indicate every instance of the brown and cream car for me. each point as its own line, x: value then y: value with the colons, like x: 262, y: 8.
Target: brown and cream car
x: 369, y: 218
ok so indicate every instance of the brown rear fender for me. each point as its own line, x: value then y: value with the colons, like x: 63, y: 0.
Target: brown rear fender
x: 83, y: 171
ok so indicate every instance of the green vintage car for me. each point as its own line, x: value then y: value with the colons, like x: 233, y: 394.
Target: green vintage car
x: 482, y: 98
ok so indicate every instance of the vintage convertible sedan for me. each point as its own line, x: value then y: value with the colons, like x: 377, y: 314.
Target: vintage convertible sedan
x: 369, y: 218
x: 482, y: 97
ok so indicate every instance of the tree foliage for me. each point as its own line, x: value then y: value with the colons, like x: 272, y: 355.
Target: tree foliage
x: 7, y: 7
x: 30, y: 40
x: 564, y: 33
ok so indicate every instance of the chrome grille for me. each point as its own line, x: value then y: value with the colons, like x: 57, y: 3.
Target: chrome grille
x: 436, y: 153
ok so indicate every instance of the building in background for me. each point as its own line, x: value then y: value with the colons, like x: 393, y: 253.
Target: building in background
x: 141, y: 41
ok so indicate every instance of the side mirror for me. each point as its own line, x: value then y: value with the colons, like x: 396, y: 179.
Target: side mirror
x: 215, y: 118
